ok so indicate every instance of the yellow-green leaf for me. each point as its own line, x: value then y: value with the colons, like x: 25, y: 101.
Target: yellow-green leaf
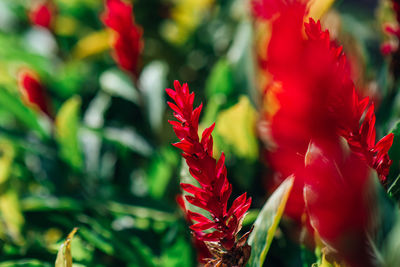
x: 319, y: 7
x: 67, y: 126
x: 236, y: 126
x: 10, y: 210
x: 92, y: 44
x: 267, y: 222
x: 64, y: 256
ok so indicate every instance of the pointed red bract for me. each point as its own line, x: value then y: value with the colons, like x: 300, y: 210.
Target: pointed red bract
x: 33, y: 91
x: 128, y: 43
x: 214, y: 190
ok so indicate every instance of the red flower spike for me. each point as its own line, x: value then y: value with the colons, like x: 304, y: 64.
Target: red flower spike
x: 317, y: 99
x: 128, y: 43
x: 42, y: 14
x: 215, y: 189
x: 33, y: 91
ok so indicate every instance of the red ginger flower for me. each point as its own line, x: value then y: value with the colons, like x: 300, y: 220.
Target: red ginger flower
x: 214, y: 190
x: 340, y: 200
x: 42, y: 14
x: 316, y: 98
x: 33, y: 91
x: 127, y: 44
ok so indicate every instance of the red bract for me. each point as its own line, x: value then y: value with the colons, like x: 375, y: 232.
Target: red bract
x: 127, y: 44
x: 33, y: 91
x: 42, y: 15
x: 316, y: 98
x: 340, y: 199
x: 215, y: 190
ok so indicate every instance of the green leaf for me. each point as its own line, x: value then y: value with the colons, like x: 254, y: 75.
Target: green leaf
x: 236, y: 127
x: 179, y: 254
x: 220, y: 80
x: 265, y: 226
x: 152, y: 82
x: 394, y: 154
x: 24, y: 263
x: 128, y: 137
x: 24, y: 114
x: 69, y: 80
x: 10, y: 209
x: 67, y: 126
x: 160, y: 172
x: 117, y: 83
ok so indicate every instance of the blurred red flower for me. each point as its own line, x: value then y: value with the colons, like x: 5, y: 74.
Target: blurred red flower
x: 33, y: 91
x: 127, y: 44
x: 340, y: 200
x: 316, y: 98
x: 42, y: 14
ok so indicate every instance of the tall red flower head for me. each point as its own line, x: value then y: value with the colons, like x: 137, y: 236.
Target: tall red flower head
x: 127, y: 43
x: 42, y: 14
x: 33, y: 91
x: 224, y: 223
x: 317, y: 100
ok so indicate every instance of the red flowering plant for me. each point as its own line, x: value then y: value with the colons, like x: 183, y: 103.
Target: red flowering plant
x: 317, y: 103
x: 33, y: 91
x: 214, y: 191
x: 127, y: 43
x: 42, y: 13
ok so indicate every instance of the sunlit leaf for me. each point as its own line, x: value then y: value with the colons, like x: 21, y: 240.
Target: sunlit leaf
x: 220, y: 80
x: 67, y: 126
x: 64, y: 257
x: 152, y: 84
x: 129, y: 138
x: 177, y: 254
x: 92, y: 44
x: 10, y: 209
x: 24, y: 114
x: 317, y: 8
x: 160, y: 172
x: 117, y: 83
x: 24, y: 263
x: 237, y: 128
x: 267, y: 222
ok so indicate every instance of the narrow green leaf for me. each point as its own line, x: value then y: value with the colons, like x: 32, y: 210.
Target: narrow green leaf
x: 14, y: 104
x: 116, y: 83
x: 24, y: 263
x: 179, y: 254
x: 160, y: 172
x: 265, y: 226
x: 152, y: 82
x: 10, y: 209
x: 67, y: 126
x: 220, y: 80
x: 129, y: 138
